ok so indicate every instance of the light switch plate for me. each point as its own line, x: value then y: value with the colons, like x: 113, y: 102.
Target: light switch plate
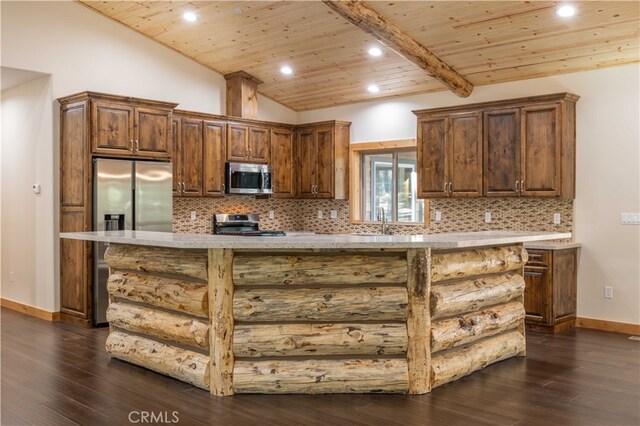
x: 487, y: 217
x: 272, y: 214
x: 193, y: 215
x: 630, y: 218
x: 334, y: 214
x: 438, y: 215
x: 556, y: 219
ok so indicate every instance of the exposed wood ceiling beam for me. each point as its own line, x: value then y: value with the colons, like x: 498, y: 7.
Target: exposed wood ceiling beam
x: 363, y: 16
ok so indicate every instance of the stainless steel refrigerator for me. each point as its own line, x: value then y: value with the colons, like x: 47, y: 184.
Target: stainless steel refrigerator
x: 128, y: 195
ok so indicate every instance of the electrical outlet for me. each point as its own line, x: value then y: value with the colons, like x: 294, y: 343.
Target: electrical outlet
x: 487, y: 217
x: 12, y: 277
x: 272, y: 214
x: 319, y: 214
x: 193, y: 215
x: 608, y: 292
x: 438, y: 215
x: 556, y: 219
x: 334, y: 214
x: 630, y: 218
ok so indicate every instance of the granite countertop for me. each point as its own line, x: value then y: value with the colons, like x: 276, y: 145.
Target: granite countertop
x: 552, y: 245
x: 313, y: 241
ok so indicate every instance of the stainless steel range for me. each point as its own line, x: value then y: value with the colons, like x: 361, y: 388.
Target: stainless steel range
x: 246, y: 225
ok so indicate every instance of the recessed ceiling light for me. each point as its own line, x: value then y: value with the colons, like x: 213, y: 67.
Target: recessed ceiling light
x: 286, y: 70
x: 375, y: 51
x: 566, y: 11
x: 373, y: 89
x: 190, y: 16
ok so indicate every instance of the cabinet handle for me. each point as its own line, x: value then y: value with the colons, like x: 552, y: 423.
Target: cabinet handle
x: 250, y: 153
x: 223, y: 188
x: 246, y: 152
x: 449, y: 189
x: 532, y: 274
x: 184, y: 187
x: 445, y: 188
x: 521, y: 186
x: 517, y: 186
x: 137, y: 145
x: 131, y: 144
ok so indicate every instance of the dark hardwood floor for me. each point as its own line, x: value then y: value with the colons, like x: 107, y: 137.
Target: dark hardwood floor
x: 57, y: 374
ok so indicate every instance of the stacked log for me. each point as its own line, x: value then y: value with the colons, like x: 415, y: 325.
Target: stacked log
x: 477, y: 314
x: 159, y: 310
x: 324, y: 322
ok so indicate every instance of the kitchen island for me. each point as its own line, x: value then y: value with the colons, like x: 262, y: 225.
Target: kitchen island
x: 316, y: 313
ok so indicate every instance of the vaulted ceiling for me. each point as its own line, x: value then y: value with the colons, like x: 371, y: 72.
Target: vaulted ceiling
x: 485, y: 41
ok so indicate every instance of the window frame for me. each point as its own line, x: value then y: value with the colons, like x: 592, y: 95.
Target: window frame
x: 356, y: 193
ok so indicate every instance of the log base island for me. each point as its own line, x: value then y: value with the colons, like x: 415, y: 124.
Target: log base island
x: 315, y: 313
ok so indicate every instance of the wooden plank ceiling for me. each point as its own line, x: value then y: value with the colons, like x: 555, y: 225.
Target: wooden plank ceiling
x: 486, y: 41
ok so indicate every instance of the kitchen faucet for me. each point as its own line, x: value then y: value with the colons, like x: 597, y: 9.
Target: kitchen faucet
x: 382, y: 216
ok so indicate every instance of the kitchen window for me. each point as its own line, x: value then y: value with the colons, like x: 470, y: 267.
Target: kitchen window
x: 386, y: 177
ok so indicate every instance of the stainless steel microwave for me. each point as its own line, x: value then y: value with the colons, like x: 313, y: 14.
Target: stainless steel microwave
x: 247, y: 178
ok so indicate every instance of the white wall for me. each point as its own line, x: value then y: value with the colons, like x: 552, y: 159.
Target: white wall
x: 27, y: 235
x: 81, y: 50
x: 608, y: 164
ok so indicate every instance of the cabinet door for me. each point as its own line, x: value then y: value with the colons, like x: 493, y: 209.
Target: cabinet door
x: 237, y: 142
x: 565, y: 281
x: 192, y: 157
x: 306, y: 157
x: 282, y: 163
x: 112, y: 128
x: 540, y: 151
x: 432, y: 157
x: 465, y: 155
x: 501, y: 152
x: 324, y: 162
x: 213, y: 161
x: 176, y: 160
x: 536, y: 295
x: 152, y: 135
x: 259, y: 144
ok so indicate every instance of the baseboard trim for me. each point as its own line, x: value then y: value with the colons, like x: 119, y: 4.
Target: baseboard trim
x: 617, y: 327
x: 29, y: 310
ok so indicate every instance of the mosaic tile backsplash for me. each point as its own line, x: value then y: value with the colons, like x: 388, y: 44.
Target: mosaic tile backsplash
x: 458, y: 215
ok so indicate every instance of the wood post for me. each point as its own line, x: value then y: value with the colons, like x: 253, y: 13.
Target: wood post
x: 469, y: 263
x: 161, y: 324
x: 464, y: 329
x: 187, y: 262
x: 473, y: 294
x: 325, y: 304
x: 221, y: 320
x: 183, y: 296
x: 321, y: 376
x: 319, y: 269
x: 418, y: 321
x: 260, y: 340
x: 182, y: 364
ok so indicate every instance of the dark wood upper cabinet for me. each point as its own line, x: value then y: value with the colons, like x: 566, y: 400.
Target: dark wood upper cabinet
x: 191, y: 152
x: 248, y: 144
x: 282, y: 163
x: 214, y: 139
x: 128, y: 127
x: 322, y: 156
x: 502, y: 152
x: 176, y: 133
x: 513, y: 148
x: 450, y: 155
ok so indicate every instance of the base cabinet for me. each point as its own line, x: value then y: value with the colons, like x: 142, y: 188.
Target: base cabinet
x: 550, y: 289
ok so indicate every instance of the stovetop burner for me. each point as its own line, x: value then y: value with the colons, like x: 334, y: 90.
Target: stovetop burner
x: 245, y: 225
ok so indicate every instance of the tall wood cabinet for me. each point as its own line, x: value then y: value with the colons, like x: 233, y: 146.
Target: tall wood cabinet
x: 514, y: 148
x: 97, y: 124
x: 550, y: 289
x: 282, y: 161
x: 322, y: 160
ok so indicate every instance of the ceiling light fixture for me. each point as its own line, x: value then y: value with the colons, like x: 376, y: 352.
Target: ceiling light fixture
x: 373, y: 89
x: 190, y: 16
x: 566, y: 11
x: 286, y: 70
x: 375, y: 51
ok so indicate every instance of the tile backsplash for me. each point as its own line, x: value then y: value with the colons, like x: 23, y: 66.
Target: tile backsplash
x: 458, y: 215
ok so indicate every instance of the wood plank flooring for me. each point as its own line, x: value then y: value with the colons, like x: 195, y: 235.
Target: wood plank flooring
x: 57, y: 374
